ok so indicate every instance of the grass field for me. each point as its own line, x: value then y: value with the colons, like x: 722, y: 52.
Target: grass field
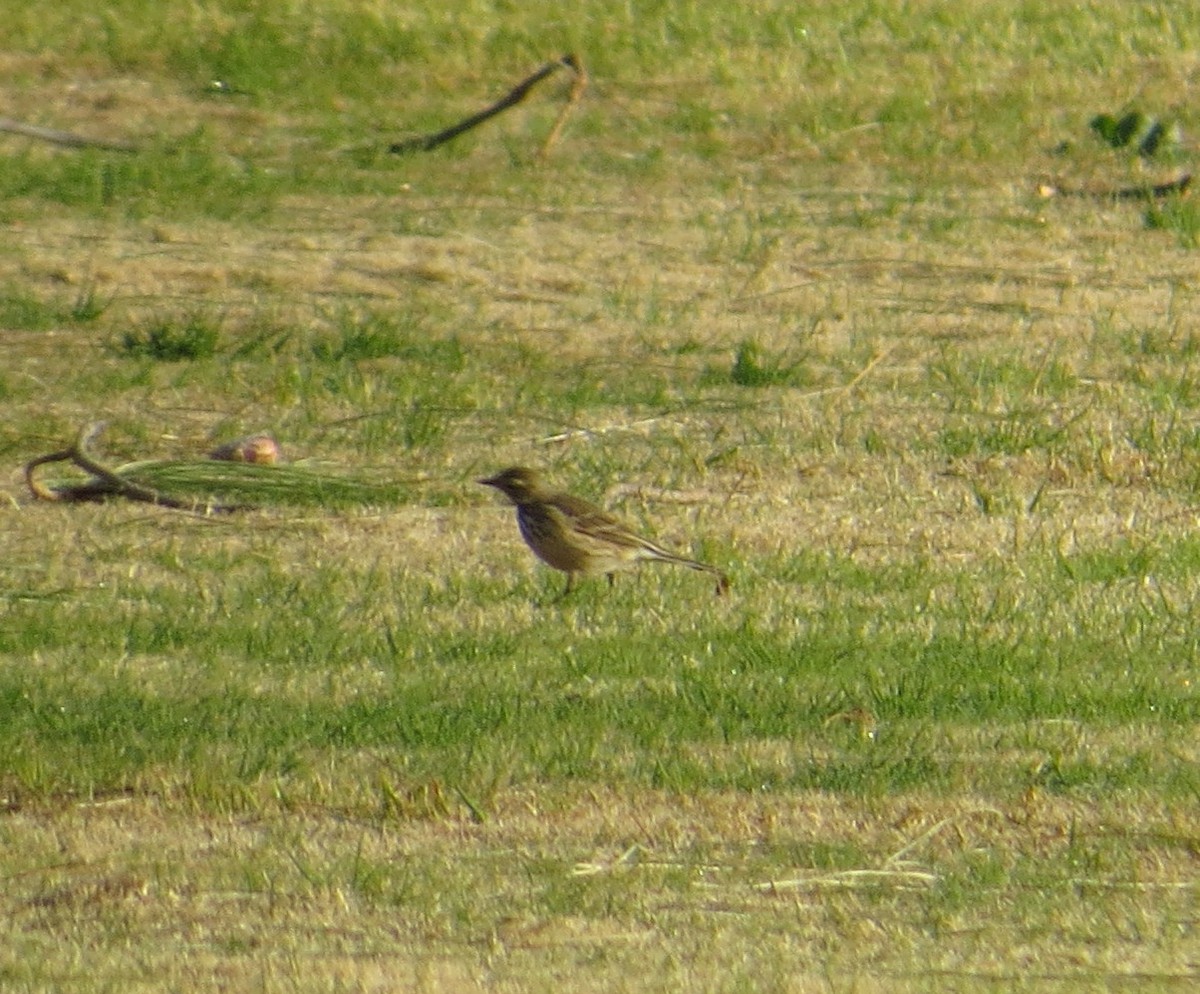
x: 788, y: 293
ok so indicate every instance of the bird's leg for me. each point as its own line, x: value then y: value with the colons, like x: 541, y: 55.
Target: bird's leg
x: 566, y: 590
x: 612, y: 578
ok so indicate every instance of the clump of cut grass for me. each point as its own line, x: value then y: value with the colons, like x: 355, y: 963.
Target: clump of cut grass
x: 222, y: 482
x: 234, y: 484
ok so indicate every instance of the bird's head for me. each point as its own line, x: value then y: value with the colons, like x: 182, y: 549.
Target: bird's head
x: 518, y: 483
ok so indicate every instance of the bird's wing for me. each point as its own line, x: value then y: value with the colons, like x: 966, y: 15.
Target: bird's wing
x: 587, y: 519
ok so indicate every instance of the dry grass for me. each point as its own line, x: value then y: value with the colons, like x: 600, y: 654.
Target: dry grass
x: 627, y: 890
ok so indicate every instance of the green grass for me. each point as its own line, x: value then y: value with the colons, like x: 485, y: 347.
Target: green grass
x: 1178, y: 217
x: 194, y: 336
x: 785, y: 296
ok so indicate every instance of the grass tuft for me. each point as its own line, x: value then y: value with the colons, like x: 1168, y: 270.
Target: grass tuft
x: 173, y: 339
x: 752, y: 367
x: 1179, y: 217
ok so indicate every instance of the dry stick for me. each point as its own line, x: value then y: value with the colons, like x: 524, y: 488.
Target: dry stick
x: 564, y: 436
x: 117, y: 483
x: 857, y: 379
x: 1179, y: 185
x: 909, y: 846
x: 573, y: 98
x: 107, y: 483
x: 514, y: 97
x: 67, y: 138
x: 850, y: 879
x: 42, y: 492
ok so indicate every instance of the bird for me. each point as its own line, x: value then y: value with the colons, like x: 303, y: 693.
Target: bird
x: 575, y: 536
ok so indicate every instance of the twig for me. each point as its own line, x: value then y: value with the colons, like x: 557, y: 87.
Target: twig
x: 66, y: 138
x: 573, y: 98
x: 659, y: 495
x: 106, y: 482
x: 1144, y: 885
x: 566, y: 436
x: 629, y: 858
x: 93, y: 490
x: 861, y: 375
x: 866, y: 370
x: 514, y: 97
x: 912, y: 844
x: 851, y: 878
x: 895, y: 870
x: 1179, y: 186
x: 1153, y: 191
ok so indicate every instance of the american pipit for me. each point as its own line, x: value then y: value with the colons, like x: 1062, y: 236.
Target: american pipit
x: 573, y: 535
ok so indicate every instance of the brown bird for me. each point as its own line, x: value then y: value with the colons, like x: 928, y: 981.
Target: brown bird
x: 573, y: 535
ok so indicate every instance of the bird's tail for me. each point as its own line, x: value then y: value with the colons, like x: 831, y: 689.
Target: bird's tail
x: 662, y: 555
